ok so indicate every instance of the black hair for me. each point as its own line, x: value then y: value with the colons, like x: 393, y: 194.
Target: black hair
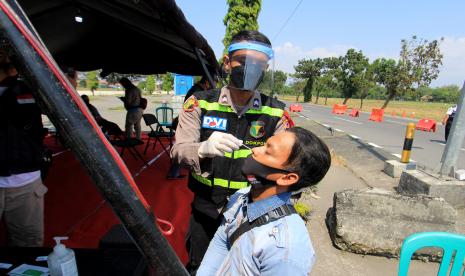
x: 125, y: 82
x: 310, y: 158
x: 248, y: 35
x: 85, y: 98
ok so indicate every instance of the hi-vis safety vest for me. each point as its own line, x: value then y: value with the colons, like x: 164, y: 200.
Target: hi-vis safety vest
x: 254, y: 128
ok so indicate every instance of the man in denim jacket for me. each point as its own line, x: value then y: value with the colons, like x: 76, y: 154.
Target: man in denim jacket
x: 288, y: 162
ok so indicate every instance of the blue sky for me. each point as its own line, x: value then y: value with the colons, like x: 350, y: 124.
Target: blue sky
x: 329, y: 28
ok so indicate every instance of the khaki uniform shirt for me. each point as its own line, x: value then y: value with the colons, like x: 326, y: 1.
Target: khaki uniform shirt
x: 132, y: 97
x: 187, y: 143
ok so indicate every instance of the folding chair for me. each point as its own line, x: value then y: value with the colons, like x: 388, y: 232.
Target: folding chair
x: 118, y: 138
x: 157, y: 132
x: 450, y: 243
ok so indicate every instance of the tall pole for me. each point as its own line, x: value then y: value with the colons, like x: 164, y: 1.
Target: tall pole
x: 75, y: 123
x: 455, y: 140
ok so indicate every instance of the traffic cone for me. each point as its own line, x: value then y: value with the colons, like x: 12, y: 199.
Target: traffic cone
x: 404, y: 114
x: 412, y: 115
x: 393, y: 114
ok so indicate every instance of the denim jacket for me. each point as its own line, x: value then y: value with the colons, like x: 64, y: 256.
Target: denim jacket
x: 280, y: 247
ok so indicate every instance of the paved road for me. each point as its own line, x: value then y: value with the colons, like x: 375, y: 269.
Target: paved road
x: 389, y: 134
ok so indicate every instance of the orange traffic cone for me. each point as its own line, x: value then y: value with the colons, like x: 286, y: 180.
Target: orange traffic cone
x: 412, y: 115
x: 404, y: 114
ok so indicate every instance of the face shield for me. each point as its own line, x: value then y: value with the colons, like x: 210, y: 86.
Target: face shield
x: 248, y: 61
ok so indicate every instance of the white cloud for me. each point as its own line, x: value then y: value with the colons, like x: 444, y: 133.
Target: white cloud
x: 287, y: 55
x: 452, y: 70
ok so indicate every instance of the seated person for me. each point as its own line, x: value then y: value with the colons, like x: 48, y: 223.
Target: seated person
x: 260, y: 231
x: 93, y: 110
x: 72, y: 76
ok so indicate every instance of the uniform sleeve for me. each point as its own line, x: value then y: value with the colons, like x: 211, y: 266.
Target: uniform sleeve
x: 187, y: 136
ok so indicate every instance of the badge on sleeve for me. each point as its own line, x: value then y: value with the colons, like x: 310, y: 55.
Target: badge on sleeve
x: 257, y: 129
x: 190, y: 104
x: 25, y: 99
x: 287, y: 121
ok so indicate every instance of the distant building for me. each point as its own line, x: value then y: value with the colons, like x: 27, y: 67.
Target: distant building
x: 182, y: 84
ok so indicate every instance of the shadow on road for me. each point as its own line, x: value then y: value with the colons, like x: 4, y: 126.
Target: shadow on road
x: 438, y: 141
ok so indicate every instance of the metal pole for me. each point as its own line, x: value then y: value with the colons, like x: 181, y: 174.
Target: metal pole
x: 204, y: 67
x: 455, y: 140
x: 408, y: 142
x: 80, y: 131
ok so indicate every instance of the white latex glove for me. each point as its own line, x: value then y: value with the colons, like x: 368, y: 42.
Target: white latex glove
x: 217, y: 144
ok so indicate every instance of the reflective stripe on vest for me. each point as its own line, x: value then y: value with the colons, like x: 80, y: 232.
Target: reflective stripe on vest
x: 224, y: 108
x: 242, y: 153
x: 221, y: 182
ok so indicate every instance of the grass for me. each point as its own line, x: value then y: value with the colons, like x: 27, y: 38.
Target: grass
x: 420, y: 110
x: 117, y: 108
x: 303, y: 210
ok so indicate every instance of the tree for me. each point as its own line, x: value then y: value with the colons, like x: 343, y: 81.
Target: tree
x: 366, y: 82
x: 242, y: 15
x: 113, y: 78
x: 387, y: 72
x: 297, y: 87
x: 92, y: 81
x: 328, y: 81
x: 422, y: 58
x: 167, y: 82
x: 82, y: 83
x: 273, y: 82
x: 309, y: 69
x: 353, y: 67
x: 142, y: 85
x: 150, y: 84
x: 418, y: 65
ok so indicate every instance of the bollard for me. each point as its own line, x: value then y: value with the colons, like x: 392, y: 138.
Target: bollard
x: 408, y: 142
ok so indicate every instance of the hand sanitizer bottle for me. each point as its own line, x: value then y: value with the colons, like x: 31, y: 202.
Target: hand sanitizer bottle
x: 61, y: 261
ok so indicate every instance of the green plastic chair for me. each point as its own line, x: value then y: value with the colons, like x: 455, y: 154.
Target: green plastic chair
x: 450, y: 243
x: 164, y: 116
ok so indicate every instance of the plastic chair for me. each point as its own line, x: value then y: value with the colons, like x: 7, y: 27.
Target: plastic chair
x: 450, y: 243
x: 165, y: 116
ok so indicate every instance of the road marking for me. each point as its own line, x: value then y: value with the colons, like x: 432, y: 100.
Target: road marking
x: 353, y: 136
x: 375, y: 145
x: 444, y: 144
x: 347, y: 120
x: 150, y: 163
x: 336, y: 129
x: 397, y: 155
x: 395, y: 122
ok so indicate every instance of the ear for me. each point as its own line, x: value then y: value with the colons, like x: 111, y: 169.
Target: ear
x: 288, y: 179
x: 226, y: 63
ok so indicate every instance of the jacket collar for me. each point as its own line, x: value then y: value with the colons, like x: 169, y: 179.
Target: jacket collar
x: 261, y: 207
x: 254, y: 103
